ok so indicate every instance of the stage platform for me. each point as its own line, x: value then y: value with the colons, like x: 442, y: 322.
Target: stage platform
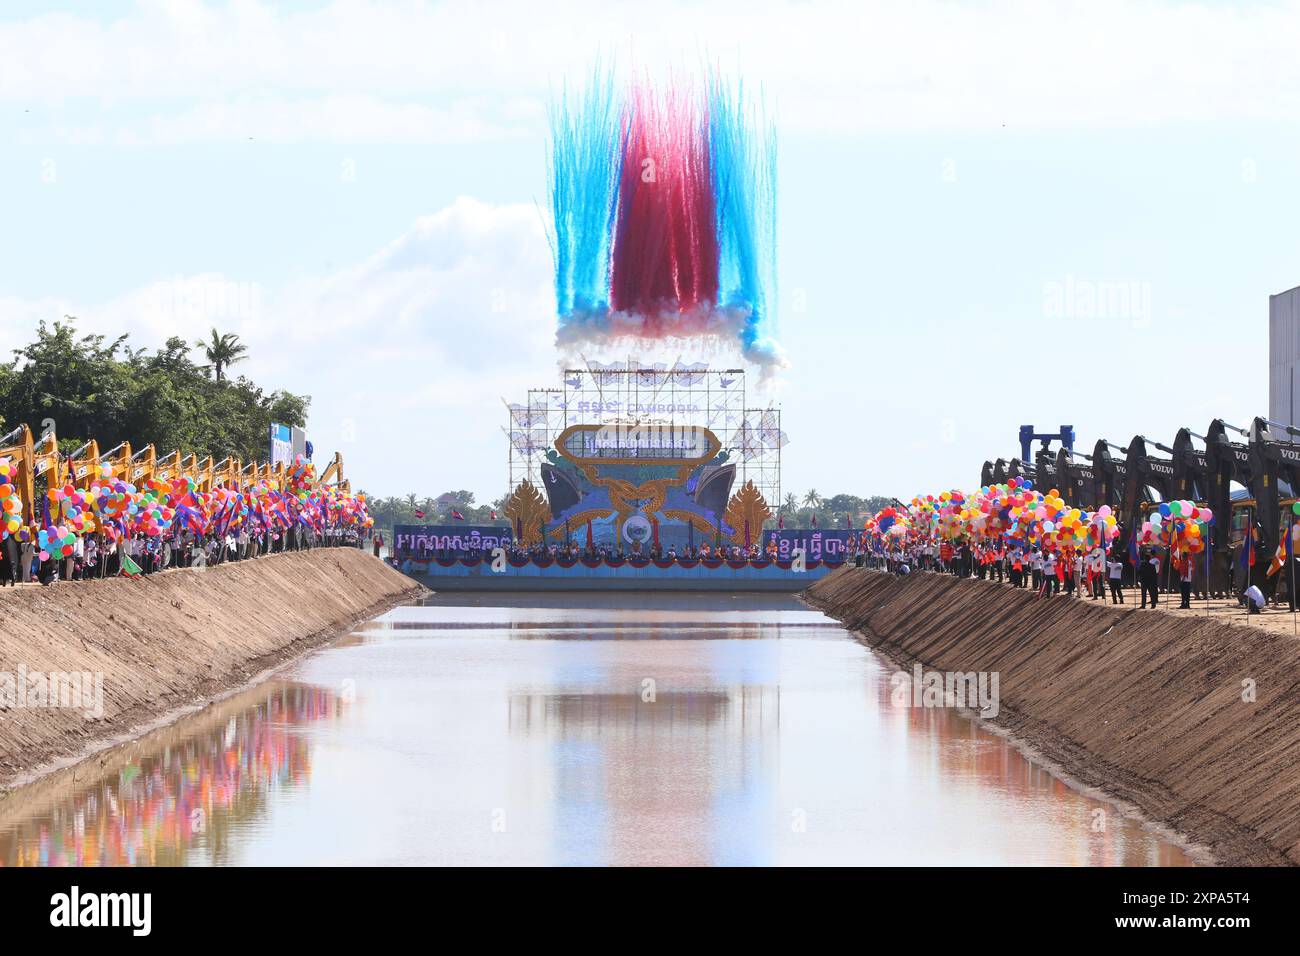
x: 557, y: 575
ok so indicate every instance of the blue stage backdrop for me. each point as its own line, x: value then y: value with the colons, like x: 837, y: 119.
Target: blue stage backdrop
x: 422, y: 541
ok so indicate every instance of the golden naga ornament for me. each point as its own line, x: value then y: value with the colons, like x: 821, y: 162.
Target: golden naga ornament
x: 528, y: 513
x: 747, y: 508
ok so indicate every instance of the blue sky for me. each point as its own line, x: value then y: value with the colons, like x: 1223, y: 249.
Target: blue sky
x: 369, y: 177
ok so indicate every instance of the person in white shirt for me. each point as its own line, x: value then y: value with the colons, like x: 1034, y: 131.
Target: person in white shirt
x: 1115, y: 571
x: 1051, y: 585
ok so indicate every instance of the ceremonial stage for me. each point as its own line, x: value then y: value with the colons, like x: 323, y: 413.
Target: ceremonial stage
x: 632, y: 476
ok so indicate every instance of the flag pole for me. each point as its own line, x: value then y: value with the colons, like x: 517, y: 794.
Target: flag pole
x: 1209, y: 550
x: 1290, y: 565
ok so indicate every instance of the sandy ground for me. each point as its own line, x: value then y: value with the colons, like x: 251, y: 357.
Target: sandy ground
x: 170, y: 643
x: 1277, y: 618
x: 1191, y: 717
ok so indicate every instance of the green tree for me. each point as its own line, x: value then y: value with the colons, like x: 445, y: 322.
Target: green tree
x: 222, y: 351
x: 391, y: 511
x: 90, y: 387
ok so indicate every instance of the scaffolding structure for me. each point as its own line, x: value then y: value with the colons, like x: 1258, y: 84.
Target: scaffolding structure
x: 632, y: 393
x: 531, y: 432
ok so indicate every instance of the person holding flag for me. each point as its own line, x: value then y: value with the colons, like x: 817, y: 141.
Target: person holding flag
x: 127, y: 567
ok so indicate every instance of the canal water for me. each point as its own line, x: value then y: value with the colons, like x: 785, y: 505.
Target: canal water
x: 574, y: 729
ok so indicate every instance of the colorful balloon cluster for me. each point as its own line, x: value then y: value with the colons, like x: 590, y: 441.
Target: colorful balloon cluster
x: 1181, y: 526
x: 11, y: 506
x: 1015, y: 513
x: 73, y: 507
x: 56, y: 541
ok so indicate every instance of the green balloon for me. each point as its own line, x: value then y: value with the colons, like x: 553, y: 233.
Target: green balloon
x: 1296, y: 508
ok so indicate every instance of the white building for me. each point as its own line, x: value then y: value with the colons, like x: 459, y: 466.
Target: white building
x: 1284, y: 356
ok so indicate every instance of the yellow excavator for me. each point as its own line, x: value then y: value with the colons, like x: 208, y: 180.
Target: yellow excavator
x: 32, y: 459
x: 168, y: 467
x: 81, y: 464
x: 334, y: 472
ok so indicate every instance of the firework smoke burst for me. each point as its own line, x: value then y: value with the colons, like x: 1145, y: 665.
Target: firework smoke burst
x: 663, y: 226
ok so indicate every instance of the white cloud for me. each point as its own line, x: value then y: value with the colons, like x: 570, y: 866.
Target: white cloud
x: 355, y: 70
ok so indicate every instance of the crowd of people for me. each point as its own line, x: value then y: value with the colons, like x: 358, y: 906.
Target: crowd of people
x: 107, y: 526
x: 1097, y: 574
x: 572, y: 551
x: 95, y: 556
x: 1030, y: 539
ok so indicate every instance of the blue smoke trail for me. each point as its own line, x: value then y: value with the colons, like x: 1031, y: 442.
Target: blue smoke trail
x: 743, y: 158
x: 584, y: 167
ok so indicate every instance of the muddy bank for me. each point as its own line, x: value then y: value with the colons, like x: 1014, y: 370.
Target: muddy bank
x: 166, y: 644
x: 1147, y: 707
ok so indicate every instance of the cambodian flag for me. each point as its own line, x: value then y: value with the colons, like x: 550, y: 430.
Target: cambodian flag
x: 1248, y: 549
x: 1283, y: 554
x: 192, y: 518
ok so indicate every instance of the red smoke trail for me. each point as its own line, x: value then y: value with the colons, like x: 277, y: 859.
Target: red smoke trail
x: 665, y: 255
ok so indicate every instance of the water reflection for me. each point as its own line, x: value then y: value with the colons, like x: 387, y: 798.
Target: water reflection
x: 176, y: 797
x: 1095, y: 832
x: 655, y: 777
x: 574, y: 735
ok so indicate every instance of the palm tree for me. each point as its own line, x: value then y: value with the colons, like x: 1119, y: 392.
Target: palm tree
x: 791, y: 502
x: 812, y: 499
x: 222, y: 351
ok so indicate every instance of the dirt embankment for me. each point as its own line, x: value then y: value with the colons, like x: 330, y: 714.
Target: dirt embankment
x: 1146, y: 706
x: 166, y: 644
